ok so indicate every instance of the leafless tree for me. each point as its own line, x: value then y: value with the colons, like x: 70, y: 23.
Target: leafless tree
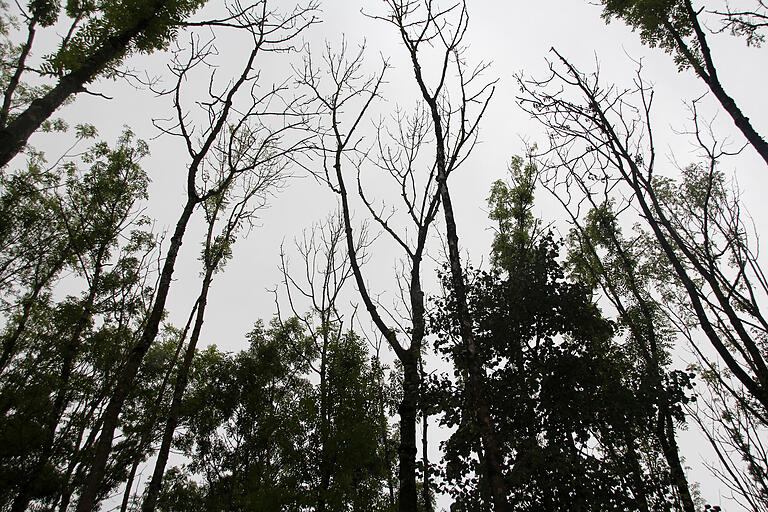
x: 342, y: 95
x: 425, y: 27
x: 256, y: 136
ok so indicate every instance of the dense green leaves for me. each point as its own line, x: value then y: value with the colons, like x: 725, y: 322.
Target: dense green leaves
x: 575, y: 427
x: 257, y: 439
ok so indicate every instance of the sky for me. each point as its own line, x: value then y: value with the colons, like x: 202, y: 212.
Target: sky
x: 515, y: 39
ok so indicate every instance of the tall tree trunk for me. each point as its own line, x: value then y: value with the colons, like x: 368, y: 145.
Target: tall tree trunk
x: 325, y: 469
x: 146, y: 436
x: 475, y: 382
x: 408, y: 497
x: 136, y: 355
x: 665, y: 432
x: 444, y: 165
x: 155, y: 485
x: 425, y: 483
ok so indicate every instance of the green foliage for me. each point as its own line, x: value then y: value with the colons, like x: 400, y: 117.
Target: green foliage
x: 657, y: 21
x: 258, y: 437
x: 510, y: 207
x: 572, y: 428
x: 101, y: 21
x: 60, y: 356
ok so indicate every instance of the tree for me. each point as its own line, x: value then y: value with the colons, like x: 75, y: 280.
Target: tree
x: 254, y: 428
x: 250, y: 141
x: 99, y: 36
x: 339, y: 145
x: 572, y: 426
x: 701, y: 259
x: 54, y: 357
x: 237, y: 205
x: 600, y: 254
x: 452, y: 146
x: 676, y: 27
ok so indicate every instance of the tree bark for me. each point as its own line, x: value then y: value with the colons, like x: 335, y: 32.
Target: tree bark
x: 408, y: 497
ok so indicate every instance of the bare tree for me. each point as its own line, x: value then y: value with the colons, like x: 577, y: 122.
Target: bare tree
x: 257, y: 127
x: 342, y: 94
x: 325, y: 271
x: 424, y: 27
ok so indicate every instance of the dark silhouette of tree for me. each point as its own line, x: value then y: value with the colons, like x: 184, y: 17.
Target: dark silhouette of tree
x: 676, y: 27
x: 252, y: 142
x: 696, y: 248
x: 99, y: 36
x: 454, y: 126
x: 343, y: 104
x: 572, y: 426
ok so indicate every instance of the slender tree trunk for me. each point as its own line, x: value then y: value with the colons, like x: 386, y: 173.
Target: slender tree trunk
x: 136, y: 355
x: 425, y: 485
x: 147, y: 434
x: 155, y: 485
x: 16, y: 78
x: 491, y: 448
x: 665, y: 432
x: 408, y: 497
x: 129, y: 485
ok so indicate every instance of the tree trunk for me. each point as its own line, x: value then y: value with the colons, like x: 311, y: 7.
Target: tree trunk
x: 425, y: 484
x: 665, y: 431
x: 408, y: 497
x: 104, y: 445
x: 155, y: 485
x: 493, y: 457
x: 325, y: 469
x: 146, y: 436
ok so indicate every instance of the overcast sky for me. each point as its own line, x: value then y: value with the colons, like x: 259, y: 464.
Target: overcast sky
x: 515, y: 37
